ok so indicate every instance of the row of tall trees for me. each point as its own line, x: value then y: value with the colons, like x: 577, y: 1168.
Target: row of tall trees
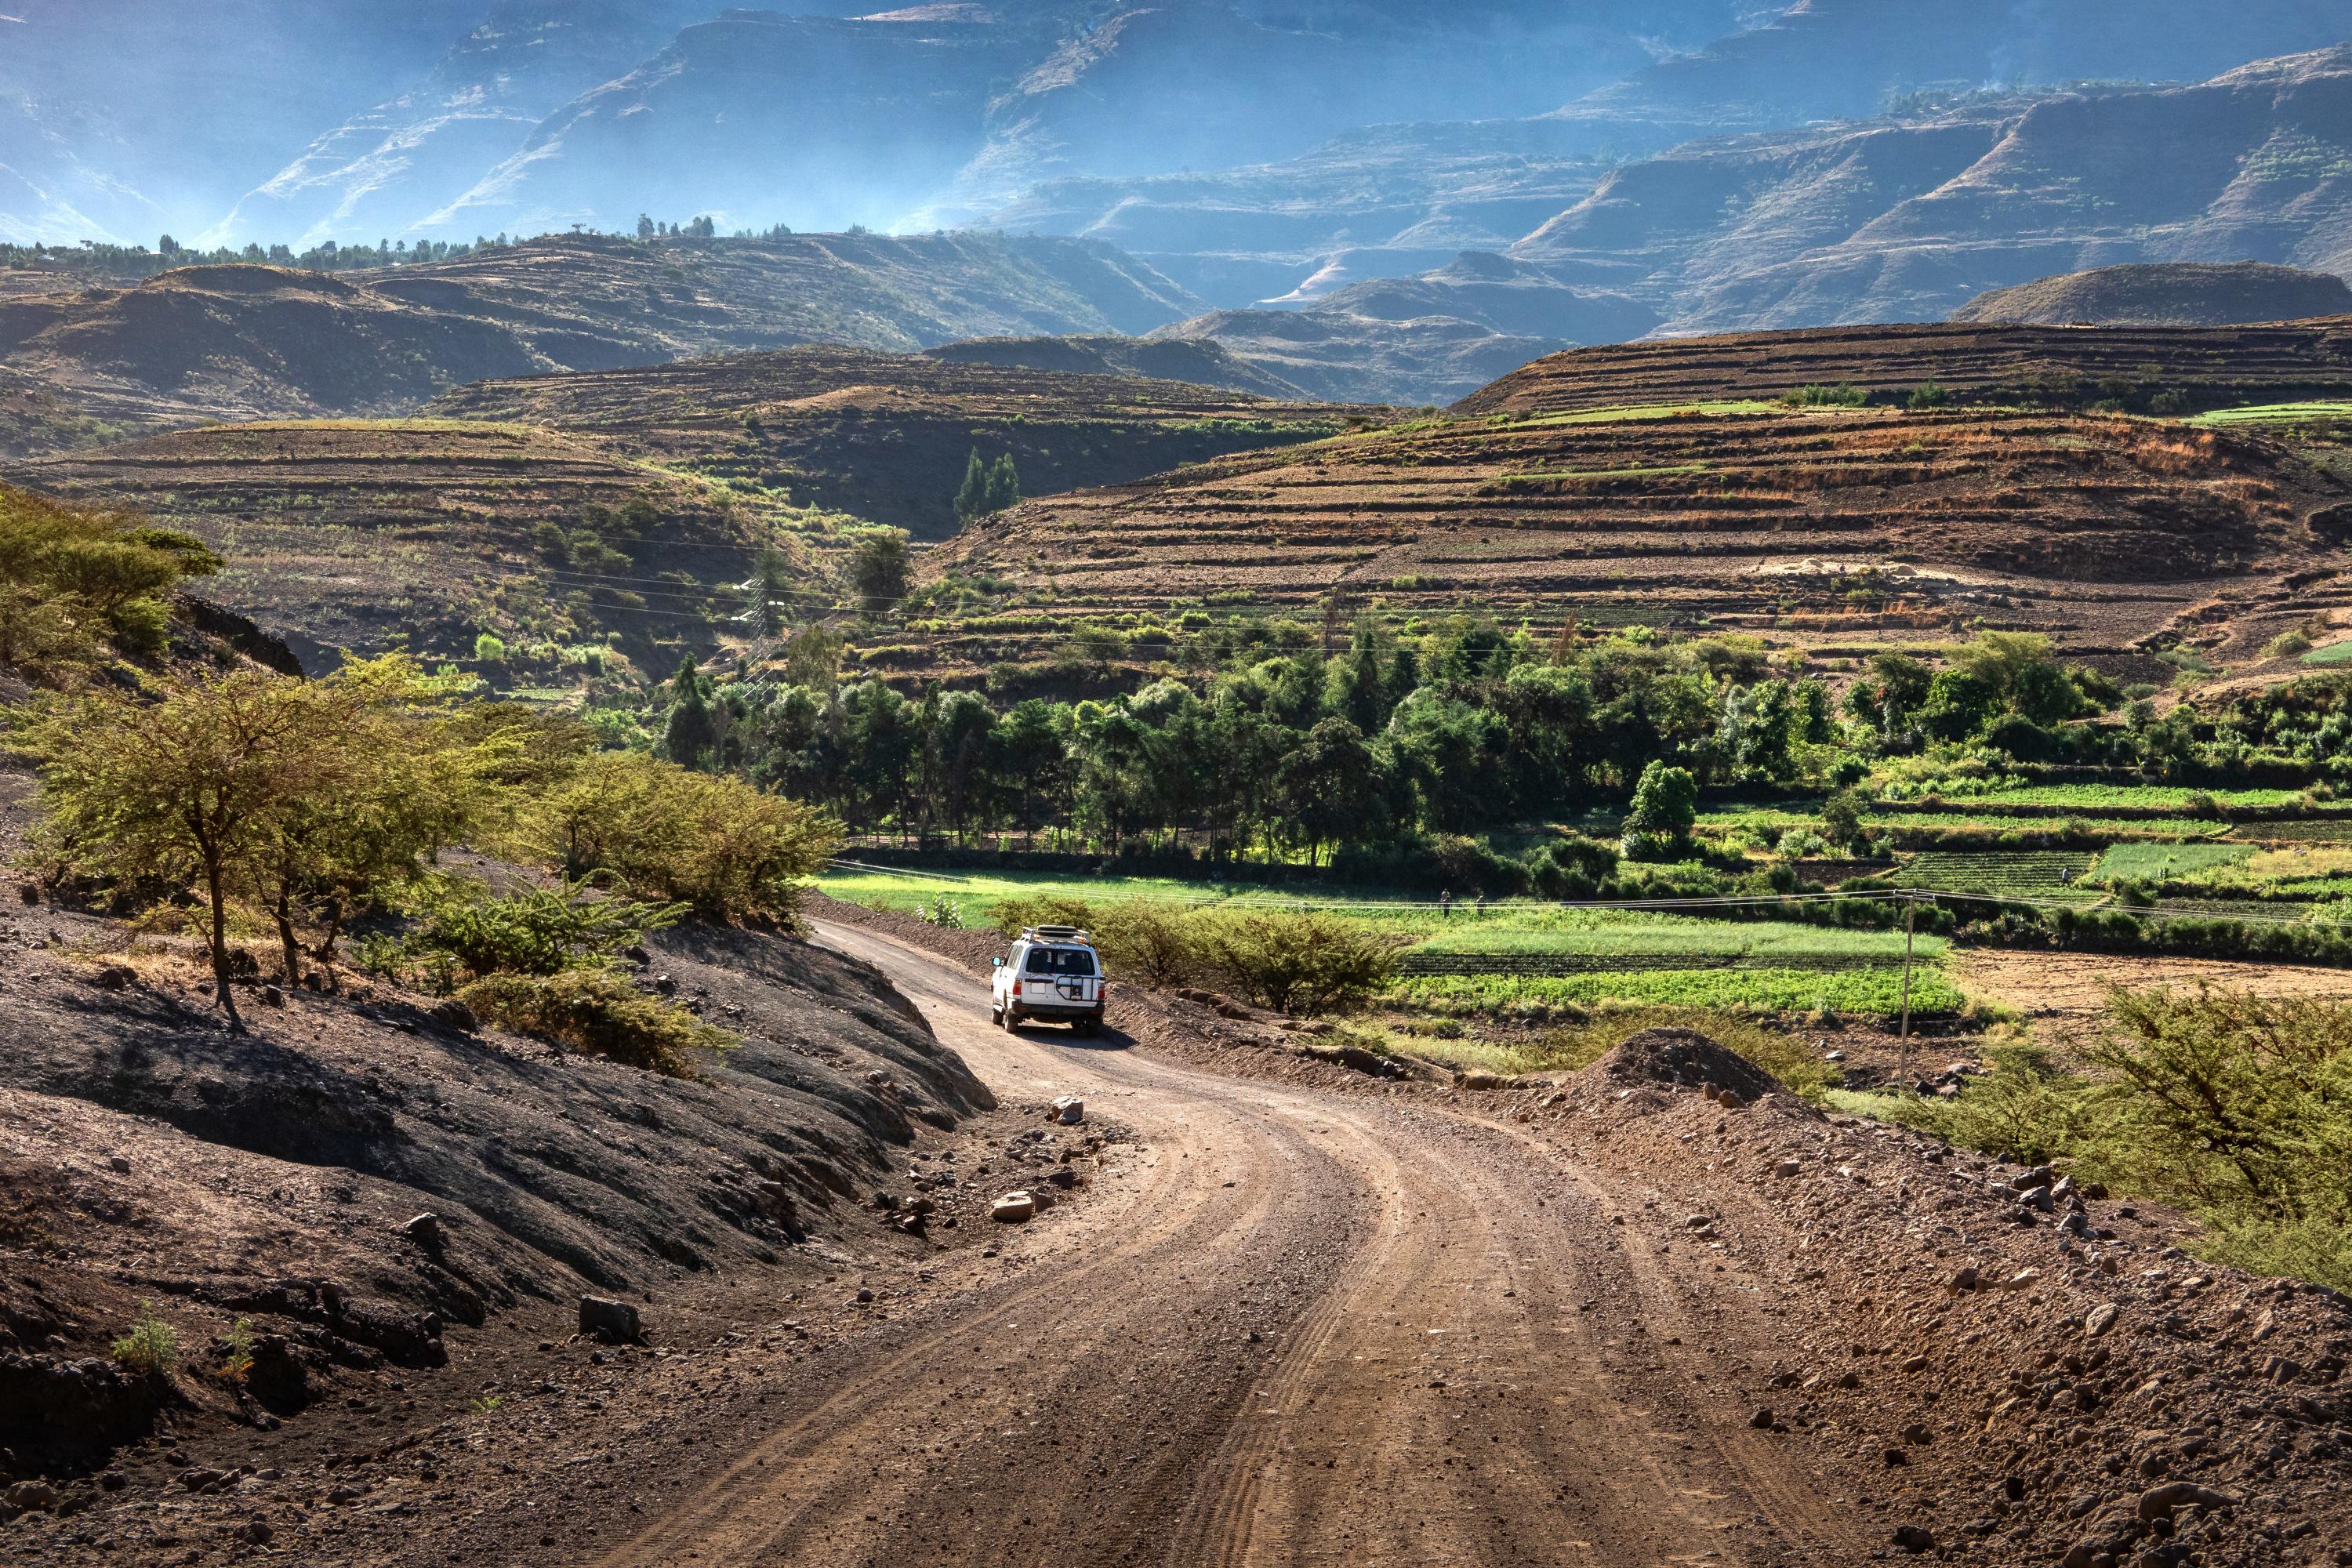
x: 1453, y: 729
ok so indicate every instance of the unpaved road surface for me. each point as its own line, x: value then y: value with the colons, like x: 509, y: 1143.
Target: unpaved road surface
x: 1312, y: 1329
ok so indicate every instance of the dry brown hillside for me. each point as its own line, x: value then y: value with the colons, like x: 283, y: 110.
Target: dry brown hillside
x: 420, y: 534
x: 886, y: 437
x: 2073, y: 367
x: 252, y: 341
x: 2174, y: 294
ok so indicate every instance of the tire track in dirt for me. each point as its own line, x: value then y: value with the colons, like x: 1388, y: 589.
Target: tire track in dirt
x: 1317, y: 1329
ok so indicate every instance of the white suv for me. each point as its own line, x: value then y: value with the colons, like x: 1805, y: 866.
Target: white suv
x: 1052, y: 972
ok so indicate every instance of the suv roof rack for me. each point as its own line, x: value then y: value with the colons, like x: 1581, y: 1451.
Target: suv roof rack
x: 1056, y: 933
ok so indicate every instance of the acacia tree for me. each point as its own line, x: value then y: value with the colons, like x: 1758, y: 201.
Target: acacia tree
x: 404, y: 781
x: 196, y: 787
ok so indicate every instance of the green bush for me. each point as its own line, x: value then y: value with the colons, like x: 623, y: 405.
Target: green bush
x: 598, y: 1012
x: 2236, y: 1107
x: 540, y: 931
x: 1298, y: 964
x: 151, y: 1347
x: 1665, y: 805
x: 1839, y: 396
x: 2027, y: 1108
x: 715, y: 844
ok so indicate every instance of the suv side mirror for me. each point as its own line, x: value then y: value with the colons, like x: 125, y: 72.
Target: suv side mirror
x: 996, y: 963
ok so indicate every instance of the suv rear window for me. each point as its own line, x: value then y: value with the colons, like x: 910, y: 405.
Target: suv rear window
x: 1060, y: 961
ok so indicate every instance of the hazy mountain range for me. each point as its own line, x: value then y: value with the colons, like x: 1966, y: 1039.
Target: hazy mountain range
x: 1438, y: 190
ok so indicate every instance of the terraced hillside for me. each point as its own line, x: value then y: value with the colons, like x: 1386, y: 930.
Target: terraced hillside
x: 252, y: 341
x: 2175, y: 293
x: 886, y: 437
x: 424, y: 534
x: 2135, y: 366
x: 1837, y: 530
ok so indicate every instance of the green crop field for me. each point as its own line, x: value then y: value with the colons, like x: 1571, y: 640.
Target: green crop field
x: 2096, y: 798
x: 1634, y: 934
x: 2170, y: 862
x: 2329, y: 654
x: 975, y: 893
x: 1961, y: 818
x: 1875, y: 993
x: 2275, y: 414
x: 2013, y: 874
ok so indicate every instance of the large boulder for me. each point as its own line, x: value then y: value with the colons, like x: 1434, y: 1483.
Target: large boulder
x: 614, y: 1322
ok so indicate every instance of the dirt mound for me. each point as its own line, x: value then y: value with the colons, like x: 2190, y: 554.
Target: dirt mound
x: 2168, y: 294
x: 1685, y: 1059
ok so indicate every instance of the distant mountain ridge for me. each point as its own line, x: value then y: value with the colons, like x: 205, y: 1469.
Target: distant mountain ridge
x: 253, y: 342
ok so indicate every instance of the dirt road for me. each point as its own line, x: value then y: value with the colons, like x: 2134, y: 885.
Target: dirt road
x: 1312, y: 1329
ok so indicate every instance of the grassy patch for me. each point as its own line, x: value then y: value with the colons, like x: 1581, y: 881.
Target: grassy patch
x: 1873, y: 993
x: 2330, y: 654
x: 1632, y: 936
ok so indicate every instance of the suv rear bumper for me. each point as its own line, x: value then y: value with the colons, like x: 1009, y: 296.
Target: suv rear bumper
x: 1056, y: 1010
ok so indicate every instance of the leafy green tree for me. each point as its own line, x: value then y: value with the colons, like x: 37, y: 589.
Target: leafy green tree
x: 1030, y: 754
x: 235, y: 782
x: 1665, y: 807
x: 691, y: 736
x: 956, y: 751
x: 987, y: 488
x: 728, y: 850
x: 971, y: 496
x: 878, y: 568
x: 1004, y: 485
x: 1331, y: 788
x: 75, y: 584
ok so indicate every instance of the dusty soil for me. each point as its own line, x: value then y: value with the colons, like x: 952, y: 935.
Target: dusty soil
x: 2067, y: 991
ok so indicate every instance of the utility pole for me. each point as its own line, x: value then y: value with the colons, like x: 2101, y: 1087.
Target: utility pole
x: 1910, y: 913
